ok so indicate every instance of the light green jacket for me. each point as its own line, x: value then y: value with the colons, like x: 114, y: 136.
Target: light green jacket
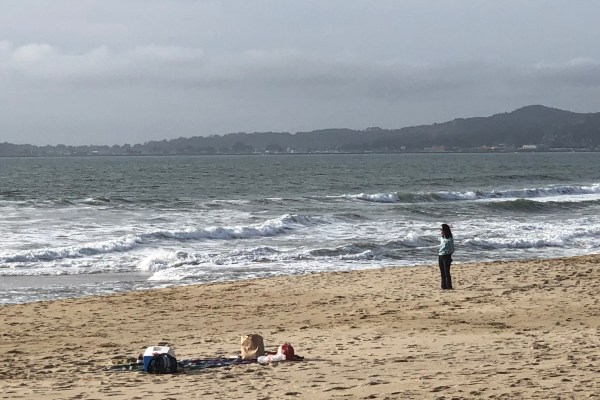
x: 446, y: 246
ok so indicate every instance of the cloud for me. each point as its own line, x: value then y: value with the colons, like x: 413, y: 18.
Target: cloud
x: 279, y: 70
x: 583, y: 72
x: 45, y: 64
x: 154, y: 91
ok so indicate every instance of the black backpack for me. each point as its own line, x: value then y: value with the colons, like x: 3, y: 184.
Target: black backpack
x: 162, y: 364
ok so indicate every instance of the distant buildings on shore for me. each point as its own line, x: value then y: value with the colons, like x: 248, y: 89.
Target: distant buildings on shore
x: 11, y: 150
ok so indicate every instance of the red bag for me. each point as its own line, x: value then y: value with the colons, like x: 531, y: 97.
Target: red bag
x: 287, y: 350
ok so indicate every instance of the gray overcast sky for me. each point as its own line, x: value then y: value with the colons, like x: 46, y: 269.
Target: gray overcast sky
x: 131, y: 71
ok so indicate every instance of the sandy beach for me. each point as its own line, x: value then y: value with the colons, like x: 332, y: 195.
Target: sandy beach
x: 509, y: 330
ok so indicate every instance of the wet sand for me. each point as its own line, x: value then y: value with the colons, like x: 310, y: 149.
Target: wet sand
x: 509, y: 330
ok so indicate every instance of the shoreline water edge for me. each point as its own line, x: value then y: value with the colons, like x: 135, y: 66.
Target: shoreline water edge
x: 527, y: 329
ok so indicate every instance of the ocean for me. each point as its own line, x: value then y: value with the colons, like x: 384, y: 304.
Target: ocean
x: 73, y: 227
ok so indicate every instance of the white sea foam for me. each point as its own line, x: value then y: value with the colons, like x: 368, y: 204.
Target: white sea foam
x: 469, y: 195
x: 48, y: 254
x: 415, y: 239
x: 582, y: 233
x: 376, y: 198
x: 271, y: 227
x: 157, y: 260
x: 365, y: 255
x: 555, y: 192
x: 574, y: 198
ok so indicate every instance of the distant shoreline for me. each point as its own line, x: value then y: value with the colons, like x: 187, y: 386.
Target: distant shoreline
x: 306, y: 153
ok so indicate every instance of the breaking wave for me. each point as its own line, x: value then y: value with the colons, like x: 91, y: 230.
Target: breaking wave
x: 272, y: 227
x: 526, y: 193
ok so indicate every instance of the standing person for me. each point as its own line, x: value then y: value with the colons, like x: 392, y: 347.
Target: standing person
x: 445, y: 255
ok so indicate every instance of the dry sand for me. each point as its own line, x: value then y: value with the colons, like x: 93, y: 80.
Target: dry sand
x: 509, y: 330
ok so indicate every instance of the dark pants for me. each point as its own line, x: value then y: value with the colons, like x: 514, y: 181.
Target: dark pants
x: 445, y: 262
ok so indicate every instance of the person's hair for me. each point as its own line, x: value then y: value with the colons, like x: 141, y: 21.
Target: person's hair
x: 446, y: 231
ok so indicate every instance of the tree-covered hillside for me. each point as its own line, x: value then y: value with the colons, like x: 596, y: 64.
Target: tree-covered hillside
x: 530, y: 128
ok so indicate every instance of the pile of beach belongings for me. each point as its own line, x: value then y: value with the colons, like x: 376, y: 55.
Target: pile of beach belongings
x: 161, y: 359
x: 252, y: 348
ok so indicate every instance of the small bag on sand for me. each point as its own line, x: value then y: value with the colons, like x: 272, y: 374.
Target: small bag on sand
x: 162, y: 364
x: 287, y: 350
x: 252, y: 346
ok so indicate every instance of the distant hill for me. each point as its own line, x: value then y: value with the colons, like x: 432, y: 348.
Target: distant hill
x: 529, y: 128
x: 532, y: 125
